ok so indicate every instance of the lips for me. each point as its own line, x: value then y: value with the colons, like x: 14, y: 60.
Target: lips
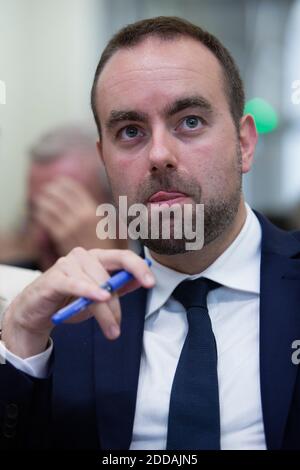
x: 166, y: 197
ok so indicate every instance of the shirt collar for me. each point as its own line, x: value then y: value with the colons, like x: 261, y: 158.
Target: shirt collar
x: 237, y: 268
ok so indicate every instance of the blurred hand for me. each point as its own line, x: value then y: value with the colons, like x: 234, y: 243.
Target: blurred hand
x: 67, y: 213
x: 27, y: 321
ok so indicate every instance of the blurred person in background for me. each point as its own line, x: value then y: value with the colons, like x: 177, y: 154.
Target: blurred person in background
x: 66, y: 183
x: 210, y: 371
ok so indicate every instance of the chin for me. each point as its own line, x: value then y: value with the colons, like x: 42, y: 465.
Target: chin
x: 166, y: 247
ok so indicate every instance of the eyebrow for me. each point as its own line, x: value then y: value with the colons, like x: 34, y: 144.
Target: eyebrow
x: 124, y: 115
x: 189, y: 102
x: 117, y: 116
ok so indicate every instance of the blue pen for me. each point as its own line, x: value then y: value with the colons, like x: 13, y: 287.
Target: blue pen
x: 114, y: 283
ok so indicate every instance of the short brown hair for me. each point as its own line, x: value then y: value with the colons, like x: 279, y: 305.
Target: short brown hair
x: 167, y: 28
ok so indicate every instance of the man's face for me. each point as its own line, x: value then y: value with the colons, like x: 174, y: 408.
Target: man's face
x: 167, y: 132
x: 72, y: 164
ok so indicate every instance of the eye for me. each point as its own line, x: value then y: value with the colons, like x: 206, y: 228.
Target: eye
x: 130, y: 132
x: 191, y: 123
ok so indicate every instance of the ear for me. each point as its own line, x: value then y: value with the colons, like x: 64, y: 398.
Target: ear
x: 248, y: 139
x: 99, y: 149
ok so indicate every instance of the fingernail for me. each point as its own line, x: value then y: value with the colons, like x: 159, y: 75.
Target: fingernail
x: 149, y: 279
x: 114, y: 331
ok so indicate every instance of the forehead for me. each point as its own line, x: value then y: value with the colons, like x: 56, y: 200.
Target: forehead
x: 155, y: 72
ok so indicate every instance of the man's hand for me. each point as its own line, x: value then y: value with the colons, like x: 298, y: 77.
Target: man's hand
x: 67, y: 212
x: 27, y: 322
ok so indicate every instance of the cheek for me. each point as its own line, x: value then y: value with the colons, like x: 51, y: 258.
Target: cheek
x: 202, y: 161
x: 124, y: 178
x: 214, y: 165
x: 125, y: 174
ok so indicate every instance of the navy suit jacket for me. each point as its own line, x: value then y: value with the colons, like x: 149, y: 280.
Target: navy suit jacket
x: 88, y: 401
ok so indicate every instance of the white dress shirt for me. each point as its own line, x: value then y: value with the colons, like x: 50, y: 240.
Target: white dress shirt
x: 234, y: 313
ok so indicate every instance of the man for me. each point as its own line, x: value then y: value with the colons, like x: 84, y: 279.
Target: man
x: 66, y: 183
x: 168, y: 102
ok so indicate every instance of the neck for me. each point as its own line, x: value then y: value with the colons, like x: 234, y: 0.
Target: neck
x: 194, y: 262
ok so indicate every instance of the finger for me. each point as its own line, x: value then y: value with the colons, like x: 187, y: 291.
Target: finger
x: 50, y: 224
x: 65, y: 209
x: 94, y: 270
x: 53, y: 207
x: 90, y: 265
x: 128, y: 260
x: 71, y: 268
x: 59, y: 286
x: 108, y: 316
x: 68, y: 190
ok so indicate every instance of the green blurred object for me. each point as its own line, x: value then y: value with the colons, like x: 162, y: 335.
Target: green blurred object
x: 264, y: 115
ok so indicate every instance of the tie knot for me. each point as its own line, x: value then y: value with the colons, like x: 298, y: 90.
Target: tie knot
x: 194, y: 293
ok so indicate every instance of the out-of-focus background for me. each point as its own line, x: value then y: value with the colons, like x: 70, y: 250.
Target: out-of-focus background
x: 49, y: 51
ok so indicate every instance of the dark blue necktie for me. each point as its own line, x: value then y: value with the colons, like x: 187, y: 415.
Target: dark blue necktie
x: 194, y: 415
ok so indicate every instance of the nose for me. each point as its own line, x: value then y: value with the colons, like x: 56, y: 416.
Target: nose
x: 162, y: 154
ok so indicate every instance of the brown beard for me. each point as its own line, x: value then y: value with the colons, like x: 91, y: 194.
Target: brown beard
x: 219, y: 213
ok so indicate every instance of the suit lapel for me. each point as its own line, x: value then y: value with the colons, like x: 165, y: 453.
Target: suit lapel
x: 279, y: 327
x: 117, y: 365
